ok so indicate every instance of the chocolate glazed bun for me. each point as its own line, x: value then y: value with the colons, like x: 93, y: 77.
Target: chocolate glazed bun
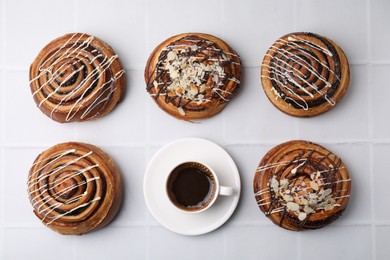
x: 193, y: 75
x: 300, y: 185
x: 305, y: 74
x: 77, y: 77
x: 74, y: 188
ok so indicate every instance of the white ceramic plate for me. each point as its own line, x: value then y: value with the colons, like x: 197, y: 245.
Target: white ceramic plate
x: 190, y: 149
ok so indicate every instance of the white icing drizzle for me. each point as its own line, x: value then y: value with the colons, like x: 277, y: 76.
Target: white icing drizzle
x: 77, y: 48
x: 281, y: 163
x: 52, y: 161
x: 64, y: 191
x: 309, y: 68
x: 276, y: 210
x: 70, y: 211
x: 105, y: 65
x: 277, y: 70
x: 304, y: 106
x: 57, y: 73
x: 308, y: 192
x: 42, y: 204
x: 187, y: 73
x: 37, y: 180
x: 58, y: 184
x: 340, y: 197
x: 300, y: 58
x: 294, y: 38
x: 294, y: 171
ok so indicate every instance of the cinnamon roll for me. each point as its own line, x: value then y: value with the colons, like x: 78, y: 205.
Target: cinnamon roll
x: 305, y: 74
x: 300, y: 185
x: 74, y: 188
x: 77, y: 77
x: 193, y: 75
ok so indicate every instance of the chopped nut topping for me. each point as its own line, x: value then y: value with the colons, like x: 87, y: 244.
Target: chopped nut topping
x: 171, y: 55
x: 179, y: 91
x: 181, y: 111
x: 292, y: 206
x: 287, y: 198
x: 202, y: 88
x: 301, y: 198
x: 314, y: 185
x: 189, y: 76
x: 284, y: 183
x: 302, y: 216
x: 327, y: 192
x: 308, y: 210
x: 328, y: 207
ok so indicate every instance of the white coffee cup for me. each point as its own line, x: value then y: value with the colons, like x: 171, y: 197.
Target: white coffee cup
x: 194, y: 187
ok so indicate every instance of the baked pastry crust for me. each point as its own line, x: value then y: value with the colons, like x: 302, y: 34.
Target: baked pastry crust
x: 301, y: 185
x: 77, y: 77
x: 193, y: 75
x: 74, y: 188
x: 305, y: 74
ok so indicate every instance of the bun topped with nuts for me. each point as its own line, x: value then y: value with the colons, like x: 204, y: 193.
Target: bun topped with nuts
x: 300, y: 185
x: 193, y: 75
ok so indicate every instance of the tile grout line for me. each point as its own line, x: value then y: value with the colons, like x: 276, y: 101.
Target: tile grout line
x: 156, y: 144
x: 2, y: 163
x: 3, y: 71
x: 147, y: 215
x: 46, y: 145
x: 147, y: 137
x: 4, y: 30
x: 74, y: 248
x: 2, y: 178
x: 227, y: 144
x: 295, y: 14
x: 221, y: 13
x: 224, y: 133
x: 371, y: 129
x: 75, y: 17
x: 2, y: 202
x: 249, y: 224
x: 147, y: 106
x: 371, y: 170
x: 253, y: 223
x: 2, y: 124
x: 224, y: 241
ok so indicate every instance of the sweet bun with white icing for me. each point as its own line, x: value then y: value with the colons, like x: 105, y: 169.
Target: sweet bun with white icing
x: 193, y: 75
x: 74, y: 188
x: 77, y: 77
x: 305, y: 74
x: 301, y: 185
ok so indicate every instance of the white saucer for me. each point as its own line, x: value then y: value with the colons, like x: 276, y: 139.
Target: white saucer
x: 190, y: 149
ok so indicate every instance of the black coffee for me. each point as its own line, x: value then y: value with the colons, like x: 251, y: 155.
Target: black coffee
x: 191, y: 186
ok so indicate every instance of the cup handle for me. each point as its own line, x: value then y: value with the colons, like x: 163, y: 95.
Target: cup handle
x: 226, y: 191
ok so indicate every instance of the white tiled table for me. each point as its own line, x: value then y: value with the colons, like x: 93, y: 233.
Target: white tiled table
x: 358, y: 129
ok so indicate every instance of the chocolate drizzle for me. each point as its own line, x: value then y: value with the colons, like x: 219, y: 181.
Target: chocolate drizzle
x: 199, y: 73
x: 301, y: 187
x: 304, y: 70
